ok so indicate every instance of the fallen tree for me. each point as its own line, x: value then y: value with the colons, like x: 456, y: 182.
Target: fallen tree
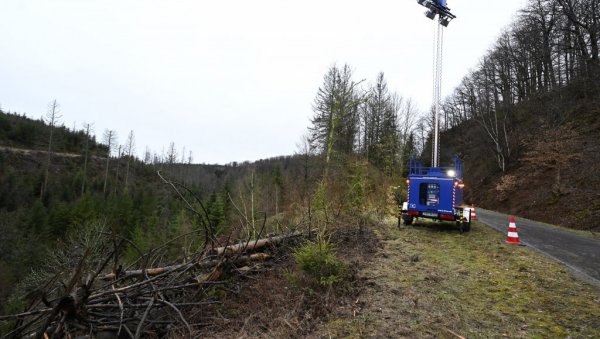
x: 254, y: 244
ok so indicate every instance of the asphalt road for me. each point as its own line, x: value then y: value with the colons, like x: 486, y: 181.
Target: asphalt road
x: 579, y: 253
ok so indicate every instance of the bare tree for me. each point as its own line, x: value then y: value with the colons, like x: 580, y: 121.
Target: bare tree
x: 182, y: 168
x: 129, y: 149
x: 423, y: 128
x: 110, y: 137
x: 584, y: 17
x: 553, y: 43
x: 87, y: 127
x: 119, y: 156
x: 52, y: 118
x: 407, y: 116
x: 171, y: 154
x: 147, y: 156
x: 306, y: 150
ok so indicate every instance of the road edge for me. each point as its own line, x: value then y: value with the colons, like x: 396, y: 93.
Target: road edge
x: 574, y: 270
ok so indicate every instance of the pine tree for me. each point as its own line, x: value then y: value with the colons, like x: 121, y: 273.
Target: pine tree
x: 336, y: 121
x: 380, y: 126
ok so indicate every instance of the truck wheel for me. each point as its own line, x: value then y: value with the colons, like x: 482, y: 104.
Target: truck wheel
x: 465, y: 226
x: 408, y: 220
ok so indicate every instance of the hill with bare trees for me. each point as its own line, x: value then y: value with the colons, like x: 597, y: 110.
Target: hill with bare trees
x: 526, y: 119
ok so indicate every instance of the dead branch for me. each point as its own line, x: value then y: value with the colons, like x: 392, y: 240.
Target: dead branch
x: 454, y: 334
x: 208, y: 227
x: 24, y: 314
x: 138, y: 331
x: 179, y: 313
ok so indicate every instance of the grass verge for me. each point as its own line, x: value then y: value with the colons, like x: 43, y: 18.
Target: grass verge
x: 430, y: 281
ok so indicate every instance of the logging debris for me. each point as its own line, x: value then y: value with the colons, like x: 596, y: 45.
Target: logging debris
x: 134, y: 303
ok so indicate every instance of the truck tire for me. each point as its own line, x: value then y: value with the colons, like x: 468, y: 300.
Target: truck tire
x: 408, y: 220
x: 465, y: 226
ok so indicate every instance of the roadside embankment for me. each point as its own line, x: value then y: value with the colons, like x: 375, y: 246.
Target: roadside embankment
x: 428, y: 280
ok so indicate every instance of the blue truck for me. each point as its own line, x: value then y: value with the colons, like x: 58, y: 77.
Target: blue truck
x: 436, y: 193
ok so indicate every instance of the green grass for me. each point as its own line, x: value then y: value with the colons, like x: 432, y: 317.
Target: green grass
x: 429, y: 280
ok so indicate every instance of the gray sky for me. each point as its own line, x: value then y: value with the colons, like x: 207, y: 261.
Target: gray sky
x: 230, y: 80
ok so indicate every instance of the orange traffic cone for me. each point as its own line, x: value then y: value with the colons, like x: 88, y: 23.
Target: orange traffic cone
x: 513, y: 236
x: 473, y: 215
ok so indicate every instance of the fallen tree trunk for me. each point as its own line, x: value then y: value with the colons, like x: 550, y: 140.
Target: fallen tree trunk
x: 139, y: 273
x: 220, y: 251
x: 253, y: 244
x: 151, y: 272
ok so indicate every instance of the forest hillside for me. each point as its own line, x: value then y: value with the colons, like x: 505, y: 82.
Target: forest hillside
x: 553, y: 175
x: 526, y: 119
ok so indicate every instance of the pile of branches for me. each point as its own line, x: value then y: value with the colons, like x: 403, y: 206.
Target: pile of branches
x: 134, y: 303
x: 96, y: 296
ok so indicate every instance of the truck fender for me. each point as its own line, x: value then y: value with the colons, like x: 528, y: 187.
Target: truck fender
x: 467, y: 214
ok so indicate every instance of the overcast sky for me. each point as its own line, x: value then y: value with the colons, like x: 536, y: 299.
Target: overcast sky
x: 230, y: 80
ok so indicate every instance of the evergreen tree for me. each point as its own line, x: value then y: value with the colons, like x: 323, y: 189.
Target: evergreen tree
x: 380, y: 126
x: 336, y: 121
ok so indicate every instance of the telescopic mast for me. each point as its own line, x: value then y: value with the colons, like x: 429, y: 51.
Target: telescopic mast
x: 437, y: 8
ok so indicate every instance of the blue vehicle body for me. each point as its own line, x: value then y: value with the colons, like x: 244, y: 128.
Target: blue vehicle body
x: 437, y: 8
x: 435, y: 193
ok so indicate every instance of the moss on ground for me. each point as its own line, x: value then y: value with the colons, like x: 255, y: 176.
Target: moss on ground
x: 430, y: 281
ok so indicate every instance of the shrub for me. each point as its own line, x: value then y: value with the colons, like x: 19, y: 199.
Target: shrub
x: 319, y: 263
